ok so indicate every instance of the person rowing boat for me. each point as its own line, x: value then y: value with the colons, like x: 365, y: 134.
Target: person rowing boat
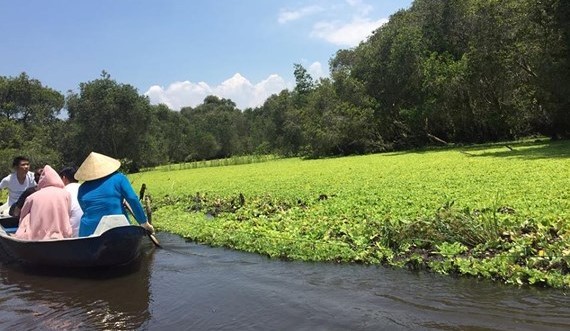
x: 103, y: 191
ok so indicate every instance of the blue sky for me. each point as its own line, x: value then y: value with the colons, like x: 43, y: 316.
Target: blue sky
x: 179, y: 51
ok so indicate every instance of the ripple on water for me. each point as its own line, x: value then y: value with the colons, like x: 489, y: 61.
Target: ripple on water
x: 188, y: 286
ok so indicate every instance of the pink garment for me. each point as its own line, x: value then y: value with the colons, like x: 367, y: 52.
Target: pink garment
x: 45, y: 214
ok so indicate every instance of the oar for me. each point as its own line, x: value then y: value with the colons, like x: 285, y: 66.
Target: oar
x: 153, y: 239
x: 145, y: 200
x: 150, y: 235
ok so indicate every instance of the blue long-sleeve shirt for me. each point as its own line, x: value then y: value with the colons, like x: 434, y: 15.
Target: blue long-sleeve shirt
x: 104, y: 196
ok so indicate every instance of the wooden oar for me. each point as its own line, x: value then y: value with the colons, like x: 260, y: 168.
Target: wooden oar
x: 145, y: 200
x: 153, y: 239
x: 150, y: 235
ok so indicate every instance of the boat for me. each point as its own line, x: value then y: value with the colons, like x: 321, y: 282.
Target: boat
x: 114, y: 244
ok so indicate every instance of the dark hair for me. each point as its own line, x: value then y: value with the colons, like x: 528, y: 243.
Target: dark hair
x: 19, y: 159
x: 69, y: 173
x: 38, y: 174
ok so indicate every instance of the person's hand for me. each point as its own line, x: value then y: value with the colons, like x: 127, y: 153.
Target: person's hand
x: 148, y: 227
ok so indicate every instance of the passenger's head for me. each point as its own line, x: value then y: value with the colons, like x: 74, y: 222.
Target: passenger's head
x: 38, y: 173
x: 50, y: 177
x: 67, y: 175
x: 97, y: 166
x: 21, y: 164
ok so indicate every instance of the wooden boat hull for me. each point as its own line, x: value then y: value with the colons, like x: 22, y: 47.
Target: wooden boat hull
x: 117, y: 246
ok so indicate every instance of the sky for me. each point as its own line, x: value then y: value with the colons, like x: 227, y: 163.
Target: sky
x: 177, y: 52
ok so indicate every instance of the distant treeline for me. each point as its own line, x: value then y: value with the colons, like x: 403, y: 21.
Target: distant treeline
x: 442, y: 71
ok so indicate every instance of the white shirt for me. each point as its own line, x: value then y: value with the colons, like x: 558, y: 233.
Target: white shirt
x: 15, y: 189
x: 76, y: 212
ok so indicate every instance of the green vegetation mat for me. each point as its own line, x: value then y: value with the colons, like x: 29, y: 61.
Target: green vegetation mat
x: 495, y: 211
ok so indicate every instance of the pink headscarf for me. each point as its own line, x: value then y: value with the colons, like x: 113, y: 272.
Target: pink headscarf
x: 45, y: 214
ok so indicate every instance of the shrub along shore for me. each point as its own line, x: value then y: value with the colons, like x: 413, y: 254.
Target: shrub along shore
x: 496, y: 211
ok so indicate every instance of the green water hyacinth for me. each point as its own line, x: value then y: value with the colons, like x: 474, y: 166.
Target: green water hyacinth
x: 490, y: 211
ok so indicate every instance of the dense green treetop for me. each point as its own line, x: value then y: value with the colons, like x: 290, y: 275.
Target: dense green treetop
x: 440, y: 72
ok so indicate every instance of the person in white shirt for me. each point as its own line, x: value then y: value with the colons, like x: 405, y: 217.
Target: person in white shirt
x: 72, y: 186
x: 19, y: 180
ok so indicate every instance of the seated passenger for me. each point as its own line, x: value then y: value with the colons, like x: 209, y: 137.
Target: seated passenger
x: 103, y: 191
x: 45, y: 214
x: 19, y: 180
x: 15, y: 208
x: 72, y: 186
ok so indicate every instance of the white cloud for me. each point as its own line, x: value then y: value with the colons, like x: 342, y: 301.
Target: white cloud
x: 345, y: 23
x: 237, y: 88
x: 316, y: 70
x: 346, y: 34
x: 293, y: 15
x: 179, y: 94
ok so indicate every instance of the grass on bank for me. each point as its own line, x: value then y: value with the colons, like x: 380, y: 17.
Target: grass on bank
x: 498, y: 212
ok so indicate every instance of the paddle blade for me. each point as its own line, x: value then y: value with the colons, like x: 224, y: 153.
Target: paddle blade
x: 152, y: 238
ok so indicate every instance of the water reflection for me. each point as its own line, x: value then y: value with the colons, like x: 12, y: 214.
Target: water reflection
x: 47, y: 298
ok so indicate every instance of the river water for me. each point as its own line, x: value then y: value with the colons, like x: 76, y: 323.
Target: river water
x: 193, y: 287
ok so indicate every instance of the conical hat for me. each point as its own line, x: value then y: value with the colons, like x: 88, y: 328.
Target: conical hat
x: 96, y: 166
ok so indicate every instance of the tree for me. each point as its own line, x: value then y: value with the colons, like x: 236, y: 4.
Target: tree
x: 282, y: 116
x: 388, y: 65
x: 219, y: 124
x: 304, y: 82
x: 28, y: 122
x: 333, y: 127
x: 112, y: 119
x: 27, y: 101
x: 11, y: 134
x: 170, y: 135
x: 547, y: 62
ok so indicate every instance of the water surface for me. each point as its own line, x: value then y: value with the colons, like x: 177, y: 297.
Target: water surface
x: 192, y: 287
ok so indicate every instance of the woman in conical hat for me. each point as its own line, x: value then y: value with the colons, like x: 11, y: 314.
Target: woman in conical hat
x: 103, y: 191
